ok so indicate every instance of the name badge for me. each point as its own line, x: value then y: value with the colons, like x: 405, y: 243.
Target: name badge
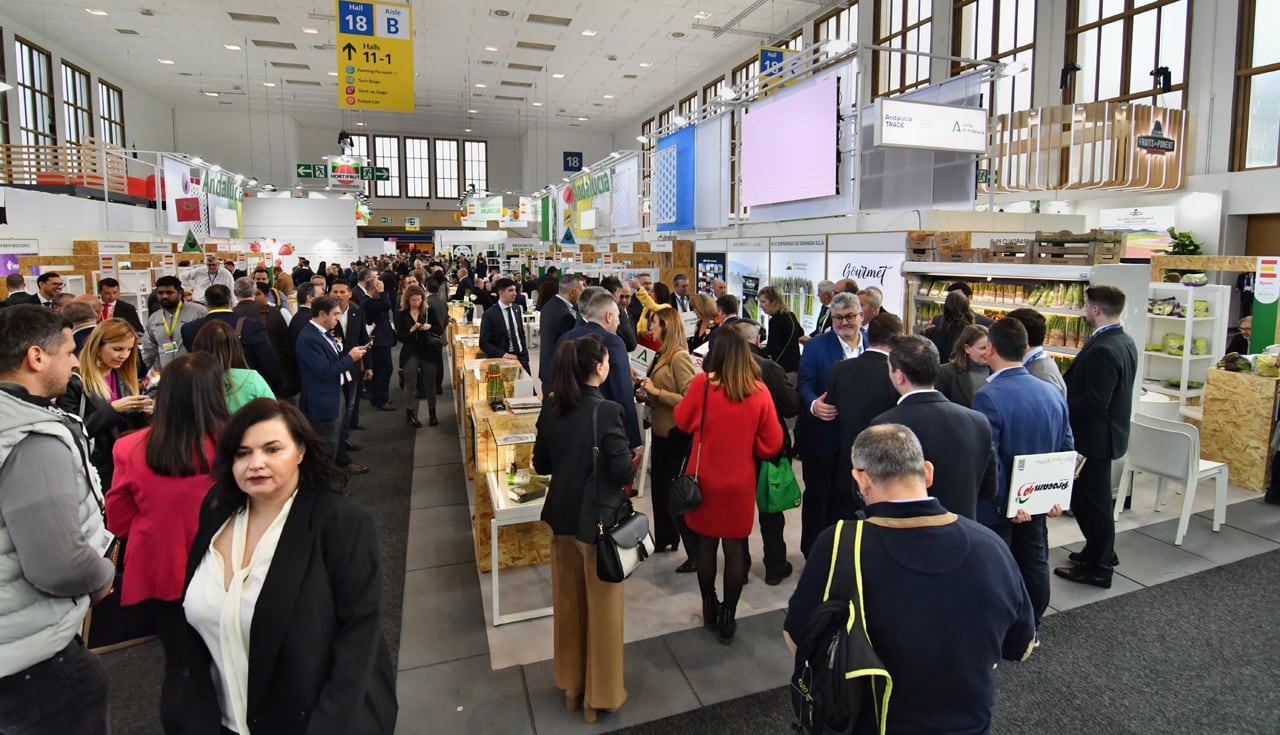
x: 169, y: 348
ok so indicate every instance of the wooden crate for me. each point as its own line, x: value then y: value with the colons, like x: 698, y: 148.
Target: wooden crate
x: 1010, y: 252
x: 952, y: 254
x: 1087, y: 253
x: 922, y: 254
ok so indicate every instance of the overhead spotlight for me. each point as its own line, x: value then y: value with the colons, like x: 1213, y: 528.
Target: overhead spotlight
x: 642, y: 139
x: 1013, y: 69
x: 837, y: 46
x: 215, y: 168
x: 1068, y: 69
x: 1163, y: 77
x: 727, y: 96
x: 197, y: 160
x: 679, y: 120
x: 253, y: 182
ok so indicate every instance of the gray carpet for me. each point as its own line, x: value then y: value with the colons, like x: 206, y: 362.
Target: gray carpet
x: 387, y: 447
x: 1196, y: 655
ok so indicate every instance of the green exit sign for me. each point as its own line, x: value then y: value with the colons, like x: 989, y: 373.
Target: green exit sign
x: 312, y: 171
x: 375, y: 173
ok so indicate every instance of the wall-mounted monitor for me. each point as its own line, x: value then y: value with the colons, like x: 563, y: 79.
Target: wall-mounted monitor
x: 789, y: 148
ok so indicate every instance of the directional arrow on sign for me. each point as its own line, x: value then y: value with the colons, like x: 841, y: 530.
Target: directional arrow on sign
x: 350, y: 49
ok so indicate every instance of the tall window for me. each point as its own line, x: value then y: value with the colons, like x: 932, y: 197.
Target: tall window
x: 111, y: 110
x: 711, y: 95
x: 386, y: 154
x: 1119, y: 43
x: 687, y: 106
x: 360, y: 150
x: 77, y: 103
x: 646, y: 162
x: 4, y: 101
x: 908, y: 25
x: 417, y: 168
x: 36, y: 125
x: 475, y: 159
x: 840, y: 23
x: 665, y: 118
x: 794, y: 43
x: 743, y: 73
x: 446, y: 169
x: 999, y: 30
x: 1257, y: 125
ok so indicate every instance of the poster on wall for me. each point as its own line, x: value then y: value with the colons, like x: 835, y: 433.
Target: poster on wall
x: 11, y: 250
x: 747, y: 266
x: 796, y: 264
x: 1146, y: 228
x: 882, y: 270
x: 709, y: 267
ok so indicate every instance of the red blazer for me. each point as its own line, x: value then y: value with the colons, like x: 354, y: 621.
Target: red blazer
x: 735, y: 435
x: 160, y: 516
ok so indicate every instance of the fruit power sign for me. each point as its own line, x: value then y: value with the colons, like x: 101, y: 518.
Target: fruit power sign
x: 1040, y: 481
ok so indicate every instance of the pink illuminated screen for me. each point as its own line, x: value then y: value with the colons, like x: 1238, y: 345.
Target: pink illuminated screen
x: 789, y: 146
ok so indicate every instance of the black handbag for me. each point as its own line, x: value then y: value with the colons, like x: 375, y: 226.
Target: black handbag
x: 685, y: 493
x: 623, y: 539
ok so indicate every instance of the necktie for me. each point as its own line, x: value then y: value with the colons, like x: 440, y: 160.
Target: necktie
x: 513, y: 331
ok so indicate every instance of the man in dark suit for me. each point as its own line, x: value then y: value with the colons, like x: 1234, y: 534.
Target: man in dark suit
x: 557, y: 317
x: 626, y: 328
x: 437, y: 303
x: 351, y: 329
x: 817, y: 433
x: 17, y: 287
x: 113, y: 307
x: 302, y: 273
x: 860, y: 390
x: 957, y: 440
x: 601, y: 312
x: 465, y: 285
x: 1027, y: 416
x: 1100, y: 399
x: 48, y: 288
x: 680, y: 293
x: 306, y: 293
x: 253, y: 336
x: 502, y: 327
x: 826, y: 291
x: 324, y: 369
x: 252, y: 304
x: 635, y: 309
x: 377, y: 310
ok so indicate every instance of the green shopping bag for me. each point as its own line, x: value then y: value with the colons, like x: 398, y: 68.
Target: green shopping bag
x: 776, y: 486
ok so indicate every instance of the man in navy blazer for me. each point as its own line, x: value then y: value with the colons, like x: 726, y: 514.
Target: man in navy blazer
x: 601, y: 312
x: 817, y: 433
x: 957, y: 440
x: 502, y: 327
x: 557, y: 317
x: 350, y: 329
x: 377, y: 309
x: 1027, y: 416
x: 253, y: 336
x: 323, y: 370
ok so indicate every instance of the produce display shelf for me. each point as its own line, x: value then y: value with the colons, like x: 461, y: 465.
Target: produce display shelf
x: 1161, y: 388
x: 1177, y: 357
x: 1006, y: 307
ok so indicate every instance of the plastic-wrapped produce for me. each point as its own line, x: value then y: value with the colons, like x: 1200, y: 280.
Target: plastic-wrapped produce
x: 1200, y: 346
x: 1174, y: 344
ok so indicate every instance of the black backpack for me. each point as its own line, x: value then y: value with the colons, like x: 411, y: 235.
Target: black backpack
x: 839, y: 684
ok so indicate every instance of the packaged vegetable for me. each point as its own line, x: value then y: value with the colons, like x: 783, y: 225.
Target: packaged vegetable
x: 1266, y: 366
x: 1200, y: 346
x: 1154, y: 347
x: 1173, y: 344
x: 1201, y: 308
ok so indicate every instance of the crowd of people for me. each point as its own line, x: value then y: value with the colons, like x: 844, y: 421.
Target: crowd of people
x: 216, y: 435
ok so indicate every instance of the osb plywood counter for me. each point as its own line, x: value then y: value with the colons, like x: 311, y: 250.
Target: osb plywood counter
x: 1239, y: 419
x: 501, y: 438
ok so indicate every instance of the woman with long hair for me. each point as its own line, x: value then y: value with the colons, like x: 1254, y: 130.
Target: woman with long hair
x: 105, y: 394
x: 705, y: 308
x: 281, y: 552
x: 161, y: 477
x: 415, y: 323
x: 588, y: 612
x: 956, y: 317
x: 967, y: 371
x: 741, y: 426
x: 784, y: 330
x: 242, y: 383
x: 662, y: 389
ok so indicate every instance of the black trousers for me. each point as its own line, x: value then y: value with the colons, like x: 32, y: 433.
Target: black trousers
x: 1092, y: 504
x: 664, y: 465
x: 438, y: 355
x: 171, y: 624
x: 1029, y: 543
x: 380, y: 386
x: 65, y: 693
x: 819, y: 476
x: 352, y: 390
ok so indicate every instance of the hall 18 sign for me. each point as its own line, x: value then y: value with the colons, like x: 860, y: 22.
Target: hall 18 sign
x: 375, y: 56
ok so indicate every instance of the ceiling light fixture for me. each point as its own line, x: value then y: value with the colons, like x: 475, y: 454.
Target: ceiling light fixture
x: 481, y: 86
x: 333, y: 73
x: 231, y: 46
x: 679, y: 120
x: 491, y: 48
x: 360, y: 123
x: 641, y: 139
x: 210, y: 94
x: 537, y: 104
x: 165, y: 61
x: 305, y: 29
x: 608, y: 96
x: 253, y: 182
x: 197, y: 160
x: 215, y: 168
x: 588, y: 33
x: 646, y: 64
x: 557, y: 76
x: 95, y: 11
x: 473, y: 112
x: 268, y: 84
x: 583, y: 119
x: 466, y: 130
x: 702, y: 15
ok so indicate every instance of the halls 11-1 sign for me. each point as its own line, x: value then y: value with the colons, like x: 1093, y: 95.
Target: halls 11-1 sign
x: 375, y: 56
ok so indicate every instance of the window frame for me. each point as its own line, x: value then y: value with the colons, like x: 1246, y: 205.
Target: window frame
x: 1011, y: 54
x: 392, y: 188
x: 1133, y: 8
x: 743, y: 73
x: 27, y: 95
x: 365, y: 155
x: 647, y: 129
x: 81, y: 109
x: 456, y: 161
x: 428, y: 165
x: 105, y: 122
x: 888, y: 38
x: 850, y: 7
x: 1245, y: 73
x: 466, y: 162
x: 4, y: 99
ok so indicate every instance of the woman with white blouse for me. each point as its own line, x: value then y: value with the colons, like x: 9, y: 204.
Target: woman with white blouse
x: 284, y: 591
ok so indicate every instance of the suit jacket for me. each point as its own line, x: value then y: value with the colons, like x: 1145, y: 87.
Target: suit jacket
x: 129, y: 313
x: 495, y: 334
x: 377, y: 311
x: 957, y: 440
x: 814, y: 437
x: 320, y: 370
x: 674, y: 301
x: 358, y: 294
x: 258, y: 350
x: 824, y: 321
x: 278, y: 336
x: 465, y: 286
x: 300, y: 320
x: 1100, y: 394
x: 627, y: 330
x: 1027, y: 416
x: 19, y: 297
x: 441, y: 308
x: 619, y: 387
x: 861, y: 390
x: 356, y: 332
x: 635, y: 310
x: 554, y: 319
x: 318, y: 662
x: 786, y: 401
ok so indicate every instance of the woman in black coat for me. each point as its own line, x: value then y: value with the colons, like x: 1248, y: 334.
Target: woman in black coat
x: 783, y: 346
x: 416, y: 326
x: 283, y: 594
x: 588, y: 612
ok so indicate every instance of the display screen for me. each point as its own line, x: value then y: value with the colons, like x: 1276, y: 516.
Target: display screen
x: 710, y: 266
x: 789, y: 145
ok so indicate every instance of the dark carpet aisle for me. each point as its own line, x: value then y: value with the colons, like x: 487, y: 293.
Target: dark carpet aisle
x: 387, y: 447
x: 1195, y: 655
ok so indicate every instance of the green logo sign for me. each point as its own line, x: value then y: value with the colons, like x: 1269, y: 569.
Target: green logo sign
x: 312, y: 171
x: 590, y: 186
x: 378, y: 173
x: 220, y: 185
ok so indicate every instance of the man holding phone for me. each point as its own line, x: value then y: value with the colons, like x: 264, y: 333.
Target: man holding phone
x: 324, y: 370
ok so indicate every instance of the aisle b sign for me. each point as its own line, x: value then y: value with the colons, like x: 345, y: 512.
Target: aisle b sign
x: 375, y: 56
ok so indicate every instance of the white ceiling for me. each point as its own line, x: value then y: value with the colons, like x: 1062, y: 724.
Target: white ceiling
x: 449, y: 54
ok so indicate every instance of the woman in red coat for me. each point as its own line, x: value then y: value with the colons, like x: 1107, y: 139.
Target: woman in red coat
x: 741, y: 425
x: 161, y: 478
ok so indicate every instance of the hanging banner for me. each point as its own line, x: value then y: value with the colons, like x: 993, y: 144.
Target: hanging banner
x: 375, y: 56
x: 625, y: 205
x: 674, y: 164
x: 1266, y: 283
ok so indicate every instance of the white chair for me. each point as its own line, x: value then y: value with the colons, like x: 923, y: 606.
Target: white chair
x: 1170, y: 450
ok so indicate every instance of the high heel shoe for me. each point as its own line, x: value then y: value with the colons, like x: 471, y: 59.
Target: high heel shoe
x: 413, y: 420
x: 710, y: 612
x: 432, y: 420
x: 688, y: 567
x: 727, y: 624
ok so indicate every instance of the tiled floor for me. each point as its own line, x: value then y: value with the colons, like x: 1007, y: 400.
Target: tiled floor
x: 460, y: 674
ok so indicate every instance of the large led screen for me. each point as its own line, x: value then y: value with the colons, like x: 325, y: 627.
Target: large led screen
x: 789, y: 145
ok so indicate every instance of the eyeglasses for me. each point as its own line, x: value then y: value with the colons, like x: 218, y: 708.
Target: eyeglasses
x: 845, y: 317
